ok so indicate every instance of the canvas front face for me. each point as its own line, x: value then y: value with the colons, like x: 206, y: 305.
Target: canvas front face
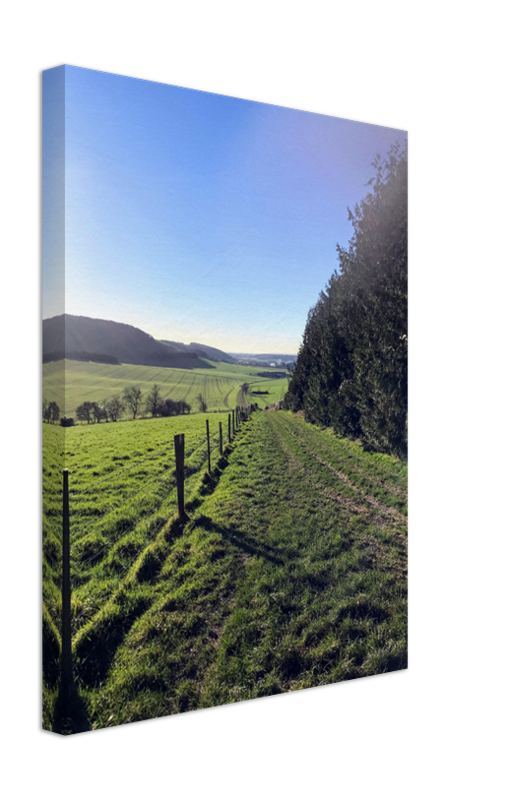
x: 224, y: 400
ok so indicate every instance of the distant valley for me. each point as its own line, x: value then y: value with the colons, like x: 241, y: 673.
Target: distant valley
x: 264, y: 359
x: 105, y: 341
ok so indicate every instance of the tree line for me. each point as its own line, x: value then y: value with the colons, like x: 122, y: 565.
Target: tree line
x: 131, y: 401
x: 50, y: 411
x: 351, y: 370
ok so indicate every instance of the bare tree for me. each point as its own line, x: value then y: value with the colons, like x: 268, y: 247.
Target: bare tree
x: 53, y: 411
x: 202, y: 403
x: 153, y: 400
x: 98, y: 412
x: 183, y: 407
x: 84, y: 412
x: 106, y: 413
x: 132, y: 398
x: 114, y: 408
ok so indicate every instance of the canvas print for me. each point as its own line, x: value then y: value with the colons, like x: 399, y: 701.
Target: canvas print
x: 224, y: 400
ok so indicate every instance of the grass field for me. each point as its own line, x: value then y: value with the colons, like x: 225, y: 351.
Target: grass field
x: 276, y: 389
x: 53, y: 464
x: 291, y: 571
x: 220, y: 384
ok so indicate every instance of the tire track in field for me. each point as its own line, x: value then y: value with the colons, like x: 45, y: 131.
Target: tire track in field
x: 225, y: 398
x: 368, y: 507
x: 190, y: 387
x: 241, y: 396
x: 377, y: 551
x: 385, y: 485
x: 178, y: 380
x: 367, y: 498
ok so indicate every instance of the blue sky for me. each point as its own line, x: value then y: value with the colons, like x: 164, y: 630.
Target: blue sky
x: 199, y: 217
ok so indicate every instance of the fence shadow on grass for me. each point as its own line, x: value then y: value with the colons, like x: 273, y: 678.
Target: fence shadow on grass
x: 70, y: 717
x: 241, y: 540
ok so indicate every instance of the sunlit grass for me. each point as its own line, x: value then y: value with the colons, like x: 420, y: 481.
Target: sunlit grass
x: 286, y: 576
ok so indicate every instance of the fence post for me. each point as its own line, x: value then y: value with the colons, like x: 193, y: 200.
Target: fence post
x: 208, y: 444
x: 66, y: 662
x: 179, y: 440
x: 229, y: 430
x: 220, y: 439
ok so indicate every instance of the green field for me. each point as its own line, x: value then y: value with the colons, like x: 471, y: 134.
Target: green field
x: 291, y: 571
x: 219, y: 385
x: 53, y: 464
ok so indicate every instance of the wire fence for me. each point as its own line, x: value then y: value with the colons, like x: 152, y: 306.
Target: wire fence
x: 160, y: 487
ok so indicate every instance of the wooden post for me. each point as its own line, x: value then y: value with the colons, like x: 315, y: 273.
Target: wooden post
x: 208, y: 444
x: 229, y: 429
x: 66, y: 661
x: 220, y: 439
x: 179, y: 441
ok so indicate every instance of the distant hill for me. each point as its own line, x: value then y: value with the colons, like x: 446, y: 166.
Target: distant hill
x: 130, y: 345
x: 213, y: 352
x: 203, y: 350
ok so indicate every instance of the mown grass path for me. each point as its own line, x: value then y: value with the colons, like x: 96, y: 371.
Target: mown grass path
x: 290, y: 573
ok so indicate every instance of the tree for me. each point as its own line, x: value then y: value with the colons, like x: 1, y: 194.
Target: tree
x: 351, y: 370
x: 183, y: 407
x: 84, y: 412
x: 153, y: 400
x: 132, y: 399
x: 375, y: 300
x: 46, y: 413
x: 167, y: 408
x: 98, y: 412
x: 106, y: 414
x: 114, y: 408
x: 202, y: 403
x: 53, y: 411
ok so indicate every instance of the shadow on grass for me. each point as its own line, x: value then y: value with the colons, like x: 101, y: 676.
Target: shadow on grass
x: 95, y: 650
x: 70, y: 716
x: 241, y: 540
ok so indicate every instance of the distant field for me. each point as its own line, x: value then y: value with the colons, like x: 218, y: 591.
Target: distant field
x: 98, y: 382
x: 276, y: 391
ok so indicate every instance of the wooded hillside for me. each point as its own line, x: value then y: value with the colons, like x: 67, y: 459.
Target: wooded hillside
x: 129, y: 345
